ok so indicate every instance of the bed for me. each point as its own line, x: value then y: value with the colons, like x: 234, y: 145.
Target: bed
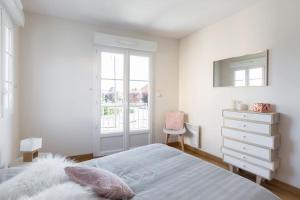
x: 161, y: 172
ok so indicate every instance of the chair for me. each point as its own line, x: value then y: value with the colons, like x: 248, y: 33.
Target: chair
x: 174, y: 125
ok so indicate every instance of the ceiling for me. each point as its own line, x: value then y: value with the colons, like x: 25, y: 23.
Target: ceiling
x: 168, y: 18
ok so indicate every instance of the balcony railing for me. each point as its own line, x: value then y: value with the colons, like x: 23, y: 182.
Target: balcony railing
x: 112, y: 117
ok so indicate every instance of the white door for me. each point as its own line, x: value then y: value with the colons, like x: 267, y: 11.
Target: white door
x: 140, y: 98
x: 123, y: 101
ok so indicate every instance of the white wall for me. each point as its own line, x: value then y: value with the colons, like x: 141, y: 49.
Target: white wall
x: 270, y: 24
x: 57, y: 59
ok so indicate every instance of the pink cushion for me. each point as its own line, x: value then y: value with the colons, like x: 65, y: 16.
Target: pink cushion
x: 174, y: 120
x: 103, y: 182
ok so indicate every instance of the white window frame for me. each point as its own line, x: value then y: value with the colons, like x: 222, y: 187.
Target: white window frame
x: 9, y: 94
x: 97, y: 110
x: 150, y: 97
x: 247, y: 77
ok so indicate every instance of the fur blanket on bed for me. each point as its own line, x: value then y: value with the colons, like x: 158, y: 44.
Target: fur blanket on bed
x: 64, y: 191
x: 45, y: 180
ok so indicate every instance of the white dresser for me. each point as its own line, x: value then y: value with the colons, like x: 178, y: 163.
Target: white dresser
x: 251, y: 141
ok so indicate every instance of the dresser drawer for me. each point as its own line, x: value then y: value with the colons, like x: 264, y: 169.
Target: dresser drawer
x: 261, y: 128
x: 258, y: 117
x: 266, y: 164
x: 258, y: 152
x: 271, y: 142
x: 265, y: 173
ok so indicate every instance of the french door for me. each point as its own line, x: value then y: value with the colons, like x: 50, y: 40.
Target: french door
x: 123, y: 119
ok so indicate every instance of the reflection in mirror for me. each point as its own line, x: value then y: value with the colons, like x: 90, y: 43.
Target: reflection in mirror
x: 248, y: 70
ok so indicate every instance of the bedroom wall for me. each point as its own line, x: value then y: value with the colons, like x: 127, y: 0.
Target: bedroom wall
x: 57, y: 58
x: 270, y: 24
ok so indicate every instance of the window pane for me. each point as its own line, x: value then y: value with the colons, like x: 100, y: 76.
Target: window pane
x: 8, y: 40
x: 10, y: 96
x: 240, y: 75
x: 8, y: 68
x: 111, y: 119
x: 111, y: 92
x: 256, y: 82
x: 112, y: 65
x: 240, y: 78
x: 239, y: 83
x: 139, y: 68
x: 256, y: 73
x: 138, y: 111
x: 139, y: 92
x: 139, y: 117
x: 6, y: 90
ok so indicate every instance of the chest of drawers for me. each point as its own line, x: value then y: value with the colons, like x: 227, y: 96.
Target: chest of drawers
x: 251, y: 141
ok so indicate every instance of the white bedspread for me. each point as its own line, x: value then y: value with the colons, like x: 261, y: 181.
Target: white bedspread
x: 159, y: 172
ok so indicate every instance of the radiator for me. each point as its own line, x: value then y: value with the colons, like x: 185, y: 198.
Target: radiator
x: 1, y: 163
x: 193, y: 135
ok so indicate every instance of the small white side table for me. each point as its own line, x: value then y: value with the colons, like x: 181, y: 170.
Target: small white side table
x: 19, y: 161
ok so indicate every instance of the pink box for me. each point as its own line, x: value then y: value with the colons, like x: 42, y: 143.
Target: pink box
x: 262, y: 107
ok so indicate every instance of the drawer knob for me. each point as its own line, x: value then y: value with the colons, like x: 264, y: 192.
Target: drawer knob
x: 244, y: 136
x: 244, y: 116
x: 244, y: 148
x: 244, y: 157
x: 244, y: 166
x: 244, y: 125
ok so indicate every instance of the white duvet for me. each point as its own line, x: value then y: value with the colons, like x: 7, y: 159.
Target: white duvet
x: 154, y: 172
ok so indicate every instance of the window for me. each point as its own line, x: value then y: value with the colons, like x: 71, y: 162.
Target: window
x: 249, y: 77
x: 112, y: 86
x: 240, y: 78
x: 255, y: 77
x: 7, y: 71
x: 139, y: 92
x: 112, y: 95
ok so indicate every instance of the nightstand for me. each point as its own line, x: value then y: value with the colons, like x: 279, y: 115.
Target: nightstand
x: 20, y: 163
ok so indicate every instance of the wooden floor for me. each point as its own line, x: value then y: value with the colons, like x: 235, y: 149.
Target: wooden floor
x: 283, y: 194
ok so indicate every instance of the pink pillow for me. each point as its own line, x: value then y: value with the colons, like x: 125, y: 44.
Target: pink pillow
x: 174, y: 120
x: 103, y: 182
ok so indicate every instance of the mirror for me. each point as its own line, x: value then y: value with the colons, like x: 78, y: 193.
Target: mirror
x: 244, y: 71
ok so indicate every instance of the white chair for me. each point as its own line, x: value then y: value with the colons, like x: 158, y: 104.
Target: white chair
x: 174, y: 125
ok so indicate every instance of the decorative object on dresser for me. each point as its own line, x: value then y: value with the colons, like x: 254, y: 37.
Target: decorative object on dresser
x: 261, y: 107
x: 239, y: 105
x: 251, y: 141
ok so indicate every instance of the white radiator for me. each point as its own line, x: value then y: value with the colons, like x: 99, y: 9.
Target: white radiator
x: 193, y: 135
x: 1, y: 163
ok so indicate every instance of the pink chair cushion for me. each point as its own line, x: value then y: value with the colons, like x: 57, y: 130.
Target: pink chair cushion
x: 103, y: 182
x: 174, y: 120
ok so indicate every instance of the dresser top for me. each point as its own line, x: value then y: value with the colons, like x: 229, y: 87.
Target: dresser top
x: 252, y: 112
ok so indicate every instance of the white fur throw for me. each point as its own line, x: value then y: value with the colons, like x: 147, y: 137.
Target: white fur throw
x: 37, y: 177
x: 65, y: 191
